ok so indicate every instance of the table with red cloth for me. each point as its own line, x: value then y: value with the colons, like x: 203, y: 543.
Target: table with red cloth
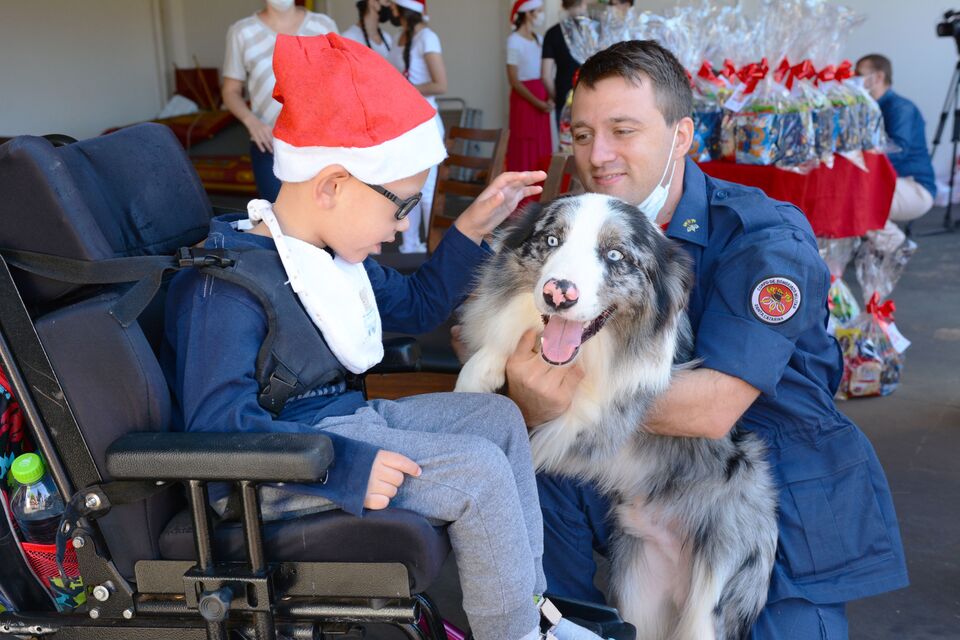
x: 839, y: 202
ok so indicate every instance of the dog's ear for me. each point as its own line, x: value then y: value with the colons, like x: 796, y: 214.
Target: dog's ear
x: 678, y: 275
x: 519, y: 230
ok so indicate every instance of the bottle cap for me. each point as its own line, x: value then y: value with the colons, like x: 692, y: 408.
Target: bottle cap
x: 27, y: 468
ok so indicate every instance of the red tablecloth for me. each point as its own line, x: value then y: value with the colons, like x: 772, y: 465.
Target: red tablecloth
x: 840, y: 202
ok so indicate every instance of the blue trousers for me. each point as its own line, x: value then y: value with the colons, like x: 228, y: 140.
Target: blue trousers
x: 267, y: 183
x: 576, y: 525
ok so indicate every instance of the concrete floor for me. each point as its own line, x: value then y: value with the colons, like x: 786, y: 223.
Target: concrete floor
x: 916, y: 432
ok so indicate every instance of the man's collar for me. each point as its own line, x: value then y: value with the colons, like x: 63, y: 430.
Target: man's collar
x: 691, y: 219
x: 886, y: 95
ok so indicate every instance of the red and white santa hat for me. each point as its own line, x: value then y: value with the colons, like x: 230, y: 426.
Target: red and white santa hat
x: 522, y: 5
x: 345, y: 104
x: 413, y: 5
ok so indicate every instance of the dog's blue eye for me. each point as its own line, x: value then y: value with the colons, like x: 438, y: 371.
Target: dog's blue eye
x: 614, y: 256
x: 553, y: 241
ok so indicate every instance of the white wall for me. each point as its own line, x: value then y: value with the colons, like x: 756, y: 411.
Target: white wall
x: 68, y: 67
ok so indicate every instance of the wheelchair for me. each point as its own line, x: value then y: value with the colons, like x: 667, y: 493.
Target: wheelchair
x: 80, y: 352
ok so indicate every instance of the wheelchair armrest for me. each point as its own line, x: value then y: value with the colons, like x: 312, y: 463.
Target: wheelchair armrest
x: 400, y: 355
x: 257, y: 457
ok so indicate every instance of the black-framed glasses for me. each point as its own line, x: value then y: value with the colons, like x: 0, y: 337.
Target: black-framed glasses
x: 404, y: 205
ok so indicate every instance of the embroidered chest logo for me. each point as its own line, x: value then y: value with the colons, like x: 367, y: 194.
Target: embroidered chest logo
x: 690, y: 224
x: 775, y: 300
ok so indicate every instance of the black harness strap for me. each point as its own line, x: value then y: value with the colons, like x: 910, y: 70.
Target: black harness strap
x: 146, y: 271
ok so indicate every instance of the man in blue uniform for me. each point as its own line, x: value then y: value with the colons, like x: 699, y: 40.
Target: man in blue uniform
x: 916, y: 187
x: 768, y: 362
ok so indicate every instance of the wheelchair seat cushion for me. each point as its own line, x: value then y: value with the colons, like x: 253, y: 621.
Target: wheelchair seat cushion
x: 390, y: 535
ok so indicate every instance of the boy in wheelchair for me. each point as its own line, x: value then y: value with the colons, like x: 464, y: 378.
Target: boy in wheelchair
x: 353, y: 144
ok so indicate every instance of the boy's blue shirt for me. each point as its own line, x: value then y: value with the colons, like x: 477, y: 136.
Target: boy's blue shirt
x: 214, y: 330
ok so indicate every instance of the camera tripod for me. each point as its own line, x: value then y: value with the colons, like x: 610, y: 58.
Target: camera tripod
x: 951, y: 101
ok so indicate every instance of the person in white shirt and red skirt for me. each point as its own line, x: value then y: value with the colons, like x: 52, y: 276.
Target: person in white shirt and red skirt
x: 529, y: 146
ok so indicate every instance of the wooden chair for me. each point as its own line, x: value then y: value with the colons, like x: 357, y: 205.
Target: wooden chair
x: 464, y: 175
x: 560, y: 177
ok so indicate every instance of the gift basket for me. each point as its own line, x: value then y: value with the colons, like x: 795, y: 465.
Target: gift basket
x: 872, y: 345
x: 837, y: 253
x: 751, y: 104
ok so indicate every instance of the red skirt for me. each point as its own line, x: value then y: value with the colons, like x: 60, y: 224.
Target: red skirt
x: 529, y: 146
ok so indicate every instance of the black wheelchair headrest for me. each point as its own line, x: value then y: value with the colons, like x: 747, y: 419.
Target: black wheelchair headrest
x: 132, y: 192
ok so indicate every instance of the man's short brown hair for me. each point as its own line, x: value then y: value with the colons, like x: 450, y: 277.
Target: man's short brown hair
x: 639, y: 61
x: 569, y: 4
x: 878, y: 62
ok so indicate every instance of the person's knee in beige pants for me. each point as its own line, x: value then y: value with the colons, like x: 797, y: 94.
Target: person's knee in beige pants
x: 910, y: 200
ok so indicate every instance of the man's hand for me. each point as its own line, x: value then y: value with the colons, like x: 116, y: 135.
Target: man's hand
x: 542, y: 391
x: 386, y: 476
x: 498, y: 201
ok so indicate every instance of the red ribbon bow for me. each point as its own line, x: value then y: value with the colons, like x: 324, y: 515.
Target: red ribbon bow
x: 706, y: 73
x: 780, y: 75
x: 827, y: 74
x: 729, y: 70
x: 844, y: 71
x: 882, y: 312
x: 752, y: 74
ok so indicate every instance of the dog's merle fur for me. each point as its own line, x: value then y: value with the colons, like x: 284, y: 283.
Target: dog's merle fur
x: 696, y: 524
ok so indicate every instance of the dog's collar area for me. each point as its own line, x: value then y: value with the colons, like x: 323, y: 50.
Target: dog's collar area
x: 562, y: 339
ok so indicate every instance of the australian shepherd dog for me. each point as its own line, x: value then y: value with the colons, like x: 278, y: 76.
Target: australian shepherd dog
x: 696, y: 527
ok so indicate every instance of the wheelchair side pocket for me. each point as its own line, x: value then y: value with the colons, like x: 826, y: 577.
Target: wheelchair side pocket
x: 830, y: 517
x: 43, y: 561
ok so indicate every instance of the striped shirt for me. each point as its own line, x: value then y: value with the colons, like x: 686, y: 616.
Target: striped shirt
x: 249, y: 58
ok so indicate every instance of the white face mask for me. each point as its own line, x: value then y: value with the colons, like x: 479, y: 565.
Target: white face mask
x: 280, y: 5
x: 654, y: 202
x: 335, y: 293
x: 539, y: 20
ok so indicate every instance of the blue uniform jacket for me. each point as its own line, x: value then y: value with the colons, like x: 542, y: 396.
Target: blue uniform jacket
x: 905, y: 127
x: 214, y: 329
x: 759, y: 313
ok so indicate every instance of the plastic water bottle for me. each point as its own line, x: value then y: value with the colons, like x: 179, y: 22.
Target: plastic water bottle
x: 37, y: 505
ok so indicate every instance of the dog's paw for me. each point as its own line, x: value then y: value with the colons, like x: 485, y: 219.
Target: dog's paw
x: 483, y: 373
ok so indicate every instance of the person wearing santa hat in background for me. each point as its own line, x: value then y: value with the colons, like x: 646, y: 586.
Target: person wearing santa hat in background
x: 529, y: 145
x: 246, y: 63
x: 367, y: 29
x: 352, y: 146
x: 419, y: 58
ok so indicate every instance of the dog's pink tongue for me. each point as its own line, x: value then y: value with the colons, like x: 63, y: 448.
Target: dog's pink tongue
x: 561, y: 339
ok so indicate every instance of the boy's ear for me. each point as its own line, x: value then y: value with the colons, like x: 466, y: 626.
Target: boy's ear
x: 327, y: 186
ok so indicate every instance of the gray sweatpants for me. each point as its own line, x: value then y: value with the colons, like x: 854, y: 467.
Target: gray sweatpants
x: 478, y: 476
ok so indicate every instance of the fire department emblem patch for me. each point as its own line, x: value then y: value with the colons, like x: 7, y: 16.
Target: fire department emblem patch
x: 775, y: 300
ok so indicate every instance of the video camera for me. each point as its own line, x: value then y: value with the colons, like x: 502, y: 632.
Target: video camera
x: 950, y: 27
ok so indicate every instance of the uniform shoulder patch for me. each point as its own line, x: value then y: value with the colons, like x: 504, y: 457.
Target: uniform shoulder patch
x: 775, y: 300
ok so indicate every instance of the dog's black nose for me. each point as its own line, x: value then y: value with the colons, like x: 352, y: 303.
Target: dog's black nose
x: 560, y: 294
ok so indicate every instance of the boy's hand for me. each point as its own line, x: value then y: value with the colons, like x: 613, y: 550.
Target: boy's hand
x: 541, y: 391
x: 386, y: 476
x: 498, y: 201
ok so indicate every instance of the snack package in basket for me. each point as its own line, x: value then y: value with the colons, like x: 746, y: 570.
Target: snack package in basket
x: 707, y: 114
x: 758, y: 116
x: 872, y: 352
x: 837, y: 253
